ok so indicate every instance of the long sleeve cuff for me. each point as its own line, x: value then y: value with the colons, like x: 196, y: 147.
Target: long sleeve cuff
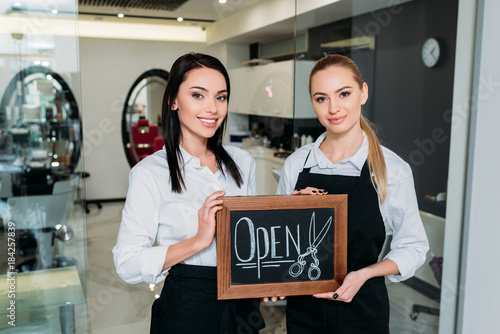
x: 152, y: 260
x: 407, y: 262
x: 145, y: 265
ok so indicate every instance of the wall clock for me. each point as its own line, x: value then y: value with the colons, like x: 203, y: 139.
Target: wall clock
x: 431, y: 52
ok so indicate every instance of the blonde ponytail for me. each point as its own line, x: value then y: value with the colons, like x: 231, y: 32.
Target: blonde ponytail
x: 376, y: 161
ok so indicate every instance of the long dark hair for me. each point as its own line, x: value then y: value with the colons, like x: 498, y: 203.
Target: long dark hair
x: 171, y: 124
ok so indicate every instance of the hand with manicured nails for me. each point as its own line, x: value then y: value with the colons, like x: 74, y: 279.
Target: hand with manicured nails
x: 273, y: 299
x: 206, y: 218
x: 309, y: 191
x: 349, y: 288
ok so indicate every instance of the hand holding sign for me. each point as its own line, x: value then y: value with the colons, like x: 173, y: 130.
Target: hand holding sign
x: 206, y: 218
x: 309, y: 191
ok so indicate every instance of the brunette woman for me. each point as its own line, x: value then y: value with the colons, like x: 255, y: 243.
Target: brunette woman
x: 172, y: 199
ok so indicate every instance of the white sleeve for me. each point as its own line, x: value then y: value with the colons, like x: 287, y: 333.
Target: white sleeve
x: 135, y: 258
x: 252, y: 184
x: 409, y: 244
x: 285, y: 186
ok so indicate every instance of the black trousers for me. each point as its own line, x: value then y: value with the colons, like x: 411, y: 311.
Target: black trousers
x: 188, y: 304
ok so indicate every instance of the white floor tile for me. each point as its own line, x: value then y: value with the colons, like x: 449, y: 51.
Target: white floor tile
x: 121, y: 308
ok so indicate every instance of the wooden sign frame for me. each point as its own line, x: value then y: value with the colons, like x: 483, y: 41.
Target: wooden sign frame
x: 227, y: 290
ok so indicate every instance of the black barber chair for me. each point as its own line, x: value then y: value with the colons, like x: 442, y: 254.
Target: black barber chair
x: 437, y: 268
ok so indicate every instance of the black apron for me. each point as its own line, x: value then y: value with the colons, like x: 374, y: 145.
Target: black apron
x: 188, y: 304
x: 368, y: 312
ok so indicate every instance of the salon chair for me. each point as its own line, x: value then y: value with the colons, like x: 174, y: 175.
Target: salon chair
x: 436, y: 265
x: 158, y: 143
x: 83, y: 202
x: 427, y: 279
x: 143, y: 139
x: 40, y: 220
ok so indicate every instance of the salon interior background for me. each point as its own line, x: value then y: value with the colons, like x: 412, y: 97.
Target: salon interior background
x: 110, y: 63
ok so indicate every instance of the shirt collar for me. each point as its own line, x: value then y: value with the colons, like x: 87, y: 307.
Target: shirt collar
x: 317, y: 158
x: 186, y: 158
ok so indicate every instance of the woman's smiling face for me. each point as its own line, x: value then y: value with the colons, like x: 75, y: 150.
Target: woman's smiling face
x: 201, y: 103
x: 337, y: 99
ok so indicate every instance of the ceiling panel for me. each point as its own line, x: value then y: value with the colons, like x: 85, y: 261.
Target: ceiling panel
x: 168, y: 5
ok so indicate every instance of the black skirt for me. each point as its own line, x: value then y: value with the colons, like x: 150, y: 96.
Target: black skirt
x: 188, y: 304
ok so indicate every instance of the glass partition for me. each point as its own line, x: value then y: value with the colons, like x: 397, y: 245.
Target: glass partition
x: 43, y: 263
x: 405, y: 51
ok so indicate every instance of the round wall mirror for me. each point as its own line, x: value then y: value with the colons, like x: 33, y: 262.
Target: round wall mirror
x: 40, y: 128
x: 141, y: 120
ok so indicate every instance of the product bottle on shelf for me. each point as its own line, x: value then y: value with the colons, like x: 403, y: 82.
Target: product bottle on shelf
x: 296, y: 141
x: 309, y: 139
x: 303, y: 140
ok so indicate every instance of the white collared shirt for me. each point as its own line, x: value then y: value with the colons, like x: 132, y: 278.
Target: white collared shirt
x: 399, y: 211
x: 153, y: 212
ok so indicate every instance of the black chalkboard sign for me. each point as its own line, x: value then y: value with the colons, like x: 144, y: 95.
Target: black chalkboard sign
x: 281, y: 245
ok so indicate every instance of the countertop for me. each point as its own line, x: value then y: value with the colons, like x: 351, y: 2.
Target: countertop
x: 265, y: 152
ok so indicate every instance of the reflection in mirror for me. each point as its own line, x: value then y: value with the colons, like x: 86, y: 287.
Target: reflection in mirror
x: 141, y: 120
x: 40, y: 127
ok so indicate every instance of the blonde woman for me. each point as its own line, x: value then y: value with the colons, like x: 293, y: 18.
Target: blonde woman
x: 348, y: 159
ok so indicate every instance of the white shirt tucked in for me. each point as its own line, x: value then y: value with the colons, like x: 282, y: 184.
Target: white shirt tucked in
x: 153, y: 212
x: 399, y: 211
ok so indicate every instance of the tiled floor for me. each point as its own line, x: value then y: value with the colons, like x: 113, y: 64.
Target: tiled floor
x: 117, y: 307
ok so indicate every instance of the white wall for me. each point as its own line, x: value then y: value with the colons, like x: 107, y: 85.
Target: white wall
x: 108, y: 70
x: 479, y: 306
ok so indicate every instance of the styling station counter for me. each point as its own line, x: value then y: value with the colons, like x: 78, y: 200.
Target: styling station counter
x: 268, y: 169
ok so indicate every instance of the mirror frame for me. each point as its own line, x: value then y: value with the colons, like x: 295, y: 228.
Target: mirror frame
x: 68, y: 94
x: 126, y: 137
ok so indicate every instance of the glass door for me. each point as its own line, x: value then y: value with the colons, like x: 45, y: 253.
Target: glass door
x: 42, y: 220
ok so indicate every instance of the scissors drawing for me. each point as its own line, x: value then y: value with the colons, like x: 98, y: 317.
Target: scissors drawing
x: 314, y: 271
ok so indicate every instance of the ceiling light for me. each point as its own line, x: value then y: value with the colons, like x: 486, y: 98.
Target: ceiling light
x: 36, y: 62
x: 222, y: 1
x: 54, y: 11
x: 121, y: 15
x: 17, y: 4
x: 180, y: 19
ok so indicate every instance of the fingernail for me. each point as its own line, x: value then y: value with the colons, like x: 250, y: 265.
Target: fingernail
x: 335, y: 296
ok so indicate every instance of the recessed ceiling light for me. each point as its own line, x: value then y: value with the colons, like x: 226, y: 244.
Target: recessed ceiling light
x: 222, y: 1
x: 121, y: 16
x: 180, y: 19
x: 54, y: 11
x: 17, y: 4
